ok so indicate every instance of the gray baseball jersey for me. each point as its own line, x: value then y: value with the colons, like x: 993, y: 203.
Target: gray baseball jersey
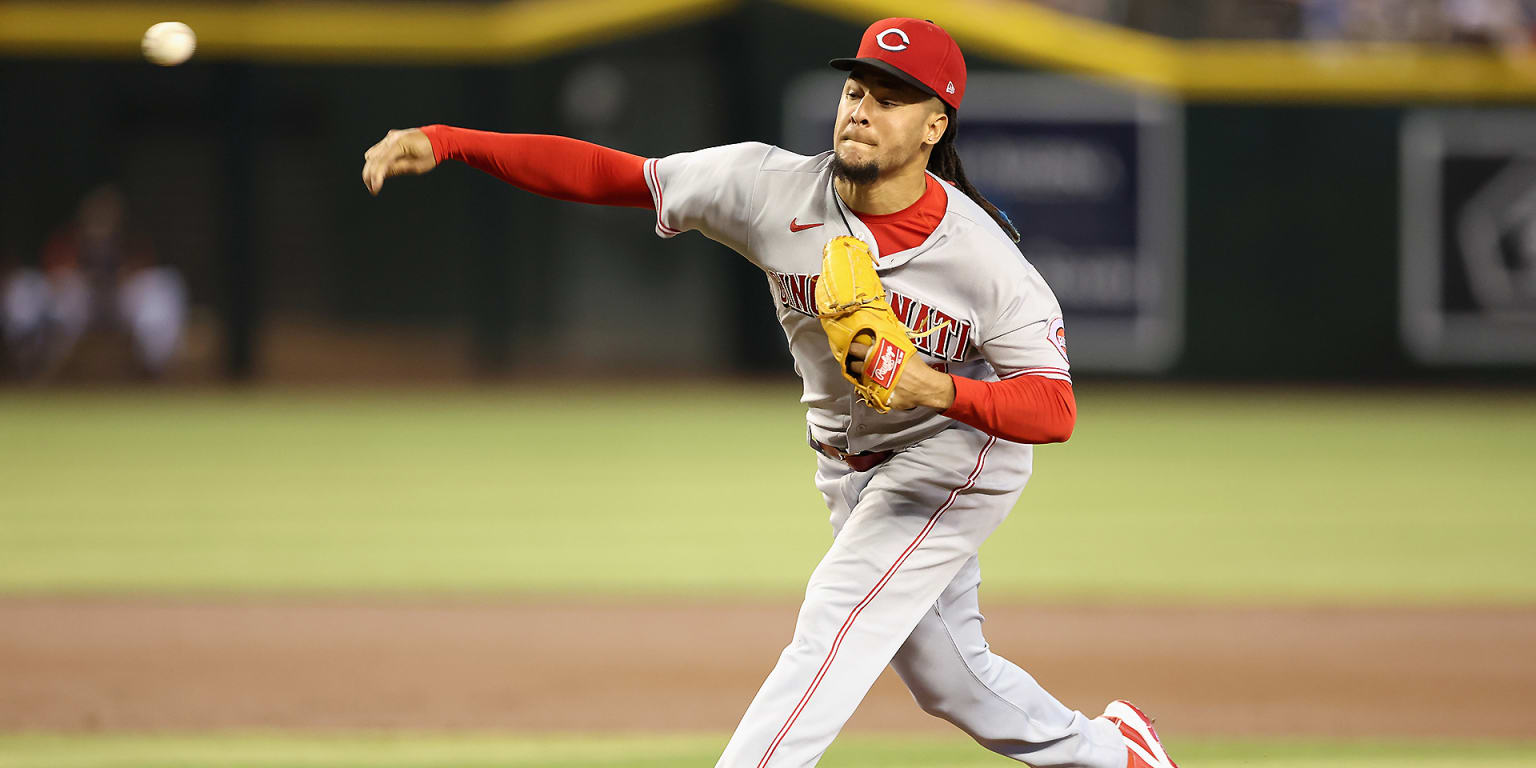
x: 778, y: 208
x: 898, y: 586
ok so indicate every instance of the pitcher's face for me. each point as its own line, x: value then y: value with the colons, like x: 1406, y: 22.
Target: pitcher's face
x: 883, y: 124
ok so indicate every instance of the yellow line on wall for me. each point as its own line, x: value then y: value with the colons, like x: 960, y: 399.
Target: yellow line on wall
x: 1008, y: 30
x: 348, y: 31
x: 1277, y: 71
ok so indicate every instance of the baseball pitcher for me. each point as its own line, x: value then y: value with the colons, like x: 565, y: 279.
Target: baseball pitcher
x: 933, y: 358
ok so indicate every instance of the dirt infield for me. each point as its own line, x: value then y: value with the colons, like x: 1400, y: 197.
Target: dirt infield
x: 161, y: 664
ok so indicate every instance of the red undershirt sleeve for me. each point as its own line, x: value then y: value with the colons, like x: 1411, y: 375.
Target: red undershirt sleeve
x: 1026, y: 409
x: 552, y: 166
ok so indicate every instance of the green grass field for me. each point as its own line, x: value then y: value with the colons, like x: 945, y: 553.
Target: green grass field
x: 1210, y: 495
x: 1163, y: 494
x: 650, y: 751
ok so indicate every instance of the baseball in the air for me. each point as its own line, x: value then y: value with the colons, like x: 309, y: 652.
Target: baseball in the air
x: 169, y: 43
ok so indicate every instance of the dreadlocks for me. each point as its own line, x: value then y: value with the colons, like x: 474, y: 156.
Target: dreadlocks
x: 945, y: 164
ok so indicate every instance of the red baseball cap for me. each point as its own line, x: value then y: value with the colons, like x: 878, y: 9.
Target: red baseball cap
x: 918, y: 52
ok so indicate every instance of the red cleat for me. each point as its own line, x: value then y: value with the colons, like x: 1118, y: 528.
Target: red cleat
x: 1143, y: 748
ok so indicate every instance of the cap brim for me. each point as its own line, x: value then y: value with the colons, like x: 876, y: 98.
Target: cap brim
x: 847, y: 65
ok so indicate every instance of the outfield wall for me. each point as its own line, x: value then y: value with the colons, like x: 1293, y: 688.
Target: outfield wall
x: 1294, y: 256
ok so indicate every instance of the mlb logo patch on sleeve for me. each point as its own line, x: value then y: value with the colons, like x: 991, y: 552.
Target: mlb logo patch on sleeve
x: 884, y: 363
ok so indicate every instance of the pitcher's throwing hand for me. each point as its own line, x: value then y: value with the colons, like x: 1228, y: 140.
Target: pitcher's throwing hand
x: 397, y: 154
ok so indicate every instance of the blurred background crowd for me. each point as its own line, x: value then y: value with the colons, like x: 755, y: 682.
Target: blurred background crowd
x: 94, y: 272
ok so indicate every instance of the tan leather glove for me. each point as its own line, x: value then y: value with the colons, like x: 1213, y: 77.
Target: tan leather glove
x: 852, y: 307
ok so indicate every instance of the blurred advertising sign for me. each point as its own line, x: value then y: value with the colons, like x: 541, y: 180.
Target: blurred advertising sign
x: 1092, y: 177
x: 1468, y: 223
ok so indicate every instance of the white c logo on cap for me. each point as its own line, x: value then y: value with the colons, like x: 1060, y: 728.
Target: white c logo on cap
x: 880, y: 40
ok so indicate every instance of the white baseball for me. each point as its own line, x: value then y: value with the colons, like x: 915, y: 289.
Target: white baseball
x: 169, y: 43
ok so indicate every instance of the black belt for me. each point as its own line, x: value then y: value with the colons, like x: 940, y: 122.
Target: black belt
x: 858, y: 462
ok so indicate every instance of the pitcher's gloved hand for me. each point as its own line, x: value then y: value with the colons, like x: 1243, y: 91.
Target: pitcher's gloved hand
x: 919, y: 385
x: 872, y: 346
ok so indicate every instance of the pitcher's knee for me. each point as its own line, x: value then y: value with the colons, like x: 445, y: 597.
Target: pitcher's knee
x: 945, y: 705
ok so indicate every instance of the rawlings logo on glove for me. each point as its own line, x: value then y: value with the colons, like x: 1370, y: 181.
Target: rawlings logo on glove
x: 851, y: 304
x: 884, y: 363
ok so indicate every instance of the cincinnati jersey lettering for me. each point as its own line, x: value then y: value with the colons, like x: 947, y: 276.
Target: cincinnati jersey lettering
x: 798, y: 293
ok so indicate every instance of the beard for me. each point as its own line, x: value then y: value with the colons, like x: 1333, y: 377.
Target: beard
x: 854, y: 173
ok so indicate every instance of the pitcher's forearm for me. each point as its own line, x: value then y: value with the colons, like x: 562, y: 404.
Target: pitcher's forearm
x: 1026, y: 409
x: 552, y: 166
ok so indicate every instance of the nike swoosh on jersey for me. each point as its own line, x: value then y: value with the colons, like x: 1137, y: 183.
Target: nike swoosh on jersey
x: 795, y: 226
